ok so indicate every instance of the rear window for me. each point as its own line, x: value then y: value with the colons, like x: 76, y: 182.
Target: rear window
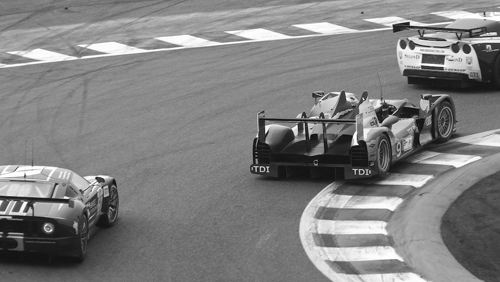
x: 26, y: 189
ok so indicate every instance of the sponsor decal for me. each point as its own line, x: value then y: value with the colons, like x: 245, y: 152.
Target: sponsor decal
x: 408, y: 143
x: 468, y: 60
x: 411, y: 67
x: 432, y: 50
x: 75, y: 226
x: 341, y: 113
x: 489, y: 49
x: 260, y: 169
x: 456, y: 70
x: 474, y: 74
x: 412, y: 56
x: 361, y: 171
x: 453, y: 59
x: 400, y: 55
x: 106, y: 191
x: 92, y: 205
x: 428, y: 121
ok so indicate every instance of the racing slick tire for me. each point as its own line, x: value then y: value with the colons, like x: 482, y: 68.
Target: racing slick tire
x: 112, y: 204
x: 83, y: 236
x: 383, y: 162
x: 445, y: 121
x: 496, y: 73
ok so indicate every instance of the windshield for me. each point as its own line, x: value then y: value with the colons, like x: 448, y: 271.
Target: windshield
x: 26, y: 189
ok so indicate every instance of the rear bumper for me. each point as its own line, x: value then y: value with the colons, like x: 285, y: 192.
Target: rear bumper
x: 279, y: 170
x: 435, y: 78
x: 19, y: 243
x: 435, y: 74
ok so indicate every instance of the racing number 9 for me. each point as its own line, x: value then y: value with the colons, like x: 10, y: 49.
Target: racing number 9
x: 398, y: 149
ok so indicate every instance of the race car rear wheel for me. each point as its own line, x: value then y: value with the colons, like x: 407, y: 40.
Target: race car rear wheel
x: 112, y: 204
x: 445, y: 121
x: 383, y: 162
x: 83, y: 234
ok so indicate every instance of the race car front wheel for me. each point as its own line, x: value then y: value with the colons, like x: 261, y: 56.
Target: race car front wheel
x: 112, y: 203
x: 445, y: 121
x: 383, y: 162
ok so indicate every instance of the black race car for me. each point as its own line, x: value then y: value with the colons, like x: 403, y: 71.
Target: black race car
x: 53, y: 210
x: 465, y: 51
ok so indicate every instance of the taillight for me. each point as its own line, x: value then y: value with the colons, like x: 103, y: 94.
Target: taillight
x: 48, y: 228
x: 455, y: 48
x: 412, y: 45
x: 402, y: 44
x: 466, y: 48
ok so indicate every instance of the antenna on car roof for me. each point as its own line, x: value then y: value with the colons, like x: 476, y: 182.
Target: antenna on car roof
x: 32, y: 149
x: 25, y: 145
x: 381, y: 92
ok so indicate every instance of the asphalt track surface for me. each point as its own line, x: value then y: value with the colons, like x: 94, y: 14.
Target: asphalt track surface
x: 175, y: 129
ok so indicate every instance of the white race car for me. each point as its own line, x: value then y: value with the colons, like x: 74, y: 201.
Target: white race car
x: 464, y: 51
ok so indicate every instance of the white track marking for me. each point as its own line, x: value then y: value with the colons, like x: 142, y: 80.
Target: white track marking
x: 43, y: 55
x: 259, y: 34
x: 325, y: 28
x: 187, y: 41
x: 112, y: 48
x: 492, y: 140
x: 415, y: 180
x: 391, y: 277
x: 389, y: 21
x: 456, y: 160
x: 359, y: 253
x: 364, y: 202
x: 352, y: 227
x: 455, y: 15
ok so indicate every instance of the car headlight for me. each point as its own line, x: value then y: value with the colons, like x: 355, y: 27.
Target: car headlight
x: 48, y: 228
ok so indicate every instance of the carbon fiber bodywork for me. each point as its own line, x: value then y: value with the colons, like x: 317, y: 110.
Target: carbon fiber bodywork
x: 347, y: 145
x: 459, y: 54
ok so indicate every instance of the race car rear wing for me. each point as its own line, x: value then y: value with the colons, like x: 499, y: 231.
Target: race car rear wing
x: 302, y: 125
x: 68, y: 201
x: 422, y: 29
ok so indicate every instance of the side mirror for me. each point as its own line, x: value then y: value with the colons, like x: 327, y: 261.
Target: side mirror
x: 99, y: 179
x: 389, y: 121
x: 316, y: 95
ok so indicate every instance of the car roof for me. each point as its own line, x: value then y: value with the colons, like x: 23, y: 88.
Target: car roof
x: 35, y: 173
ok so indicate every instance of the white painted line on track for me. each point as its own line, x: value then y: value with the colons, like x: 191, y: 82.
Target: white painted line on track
x: 456, y: 160
x: 415, y: 180
x: 390, y: 277
x: 351, y: 227
x: 187, y: 41
x: 137, y: 50
x: 455, y: 15
x: 364, y: 202
x: 360, y: 253
x: 43, y: 55
x: 259, y: 34
x: 325, y: 28
x: 491, y: 140
x: 112, y: 48
x: 389, y: 21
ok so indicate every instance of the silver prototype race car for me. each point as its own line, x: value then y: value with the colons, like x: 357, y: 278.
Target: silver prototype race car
x: 464, y: 51
x: 349, y: 138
